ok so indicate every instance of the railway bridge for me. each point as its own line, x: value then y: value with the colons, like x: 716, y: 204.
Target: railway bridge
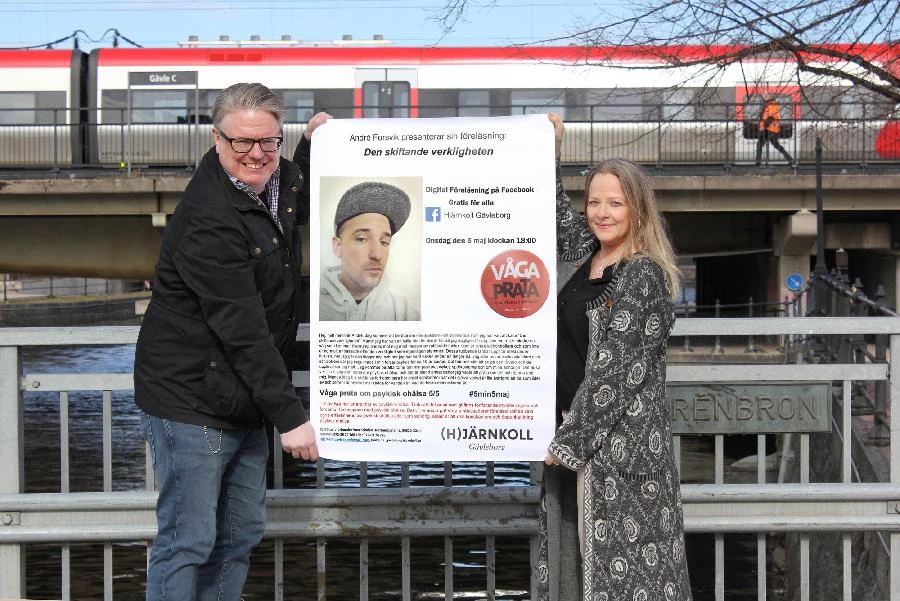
x: 745, y: 231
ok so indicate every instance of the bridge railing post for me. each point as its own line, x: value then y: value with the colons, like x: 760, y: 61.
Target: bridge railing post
x: 880, y: 435
x: 718, y: 348
x: 787, y: 340
x: 687, y: 339
x: 727, y: 143
x: 894, y: 379
x: 837, y: 307
x: 121, y: 138
x: 751, y: 348
x: 659, y: 133
x: 591, y: 138
x: 863, y: 163
x: 12, y: 472
x: 56, y: 139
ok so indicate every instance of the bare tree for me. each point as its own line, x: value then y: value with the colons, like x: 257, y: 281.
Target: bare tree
x: 834, y: 40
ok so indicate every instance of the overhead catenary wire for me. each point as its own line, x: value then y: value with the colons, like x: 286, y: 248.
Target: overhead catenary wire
x: 75, y: 35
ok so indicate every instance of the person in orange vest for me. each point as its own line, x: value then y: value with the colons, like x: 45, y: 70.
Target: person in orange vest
x: 769, y: 129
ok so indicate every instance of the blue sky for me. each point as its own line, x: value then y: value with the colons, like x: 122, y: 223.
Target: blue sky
x: 163, y: 23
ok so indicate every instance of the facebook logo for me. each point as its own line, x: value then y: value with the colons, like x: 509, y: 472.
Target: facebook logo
x: 432, y: 213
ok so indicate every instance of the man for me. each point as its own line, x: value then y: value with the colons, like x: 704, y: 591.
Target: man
x: 214, y: 356
x: 769, y: 129
x: 368, y: 216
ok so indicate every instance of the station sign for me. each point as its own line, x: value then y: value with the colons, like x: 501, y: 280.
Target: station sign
x: 162, y: 78
x: 749, y: 407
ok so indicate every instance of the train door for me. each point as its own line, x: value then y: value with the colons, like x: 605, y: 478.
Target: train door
x: 386, y: 93
x: 750, y: 101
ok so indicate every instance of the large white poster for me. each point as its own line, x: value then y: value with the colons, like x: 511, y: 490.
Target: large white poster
x: 433, y: 315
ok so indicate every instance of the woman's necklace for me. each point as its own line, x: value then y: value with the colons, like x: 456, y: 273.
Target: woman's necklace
x: 598, y: 266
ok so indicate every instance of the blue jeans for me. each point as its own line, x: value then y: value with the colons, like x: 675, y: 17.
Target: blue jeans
x: 211, y: 510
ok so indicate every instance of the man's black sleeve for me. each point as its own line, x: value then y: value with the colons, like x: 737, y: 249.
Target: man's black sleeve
x: 301, y: 157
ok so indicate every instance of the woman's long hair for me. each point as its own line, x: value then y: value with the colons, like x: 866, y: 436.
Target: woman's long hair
x: 648, y: 234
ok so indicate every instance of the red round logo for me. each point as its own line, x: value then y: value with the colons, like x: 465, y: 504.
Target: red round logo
x: 515, y: 283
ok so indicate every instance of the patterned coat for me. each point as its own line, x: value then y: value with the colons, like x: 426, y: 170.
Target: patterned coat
x: 618, y: 431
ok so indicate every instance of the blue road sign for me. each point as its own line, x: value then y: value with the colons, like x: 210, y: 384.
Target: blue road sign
x: 795, y: 282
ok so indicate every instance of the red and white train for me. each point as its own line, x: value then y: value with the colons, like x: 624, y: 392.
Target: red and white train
x: 65, y: 108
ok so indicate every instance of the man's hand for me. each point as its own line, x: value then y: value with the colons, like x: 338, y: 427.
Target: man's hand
x: 301, y: 441
x: 558, y: 129
x: 317, y: 120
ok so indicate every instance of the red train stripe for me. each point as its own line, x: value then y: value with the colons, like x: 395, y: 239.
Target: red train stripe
x: 35, y: 58
x: 413, y: 55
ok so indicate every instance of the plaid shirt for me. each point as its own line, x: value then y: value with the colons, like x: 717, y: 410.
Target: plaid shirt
x: 274, y: 190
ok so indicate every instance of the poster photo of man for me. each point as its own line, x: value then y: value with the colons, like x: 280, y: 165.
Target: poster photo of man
x: 370, y: 232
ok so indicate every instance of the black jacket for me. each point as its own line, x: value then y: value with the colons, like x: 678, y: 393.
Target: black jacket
x: 216, y: 344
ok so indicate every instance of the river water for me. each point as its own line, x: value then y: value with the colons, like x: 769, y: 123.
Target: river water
x: 42, y: 474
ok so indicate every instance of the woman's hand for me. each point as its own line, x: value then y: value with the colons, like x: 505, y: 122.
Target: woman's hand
x: 558, y: 130
x: 551, y: 460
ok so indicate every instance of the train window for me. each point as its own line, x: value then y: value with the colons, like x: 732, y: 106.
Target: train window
x: 301, y: 105
x: 474, y: 103
x: 438, y: 103
x: 18, y: 108
x: 385, y: 98
x: 338, y: 103
x: 463, y: 103
x: 714, y: 103
x: 400, y: 91
x: 677, y: 105
x: 156, y: 106
x: 821, y: 102
x: 531, y: 102
x: 857, y: 103
x: 370, y: 93
x: 32, y: 108
x: 113, y: 106
x: 159, y: 106
x: 617, y: 104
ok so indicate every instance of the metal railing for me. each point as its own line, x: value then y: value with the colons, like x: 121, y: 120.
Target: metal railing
x: 15, y: 287
x: 659, y: 136
x: 320, y: 514
x: 848, y: 298
x: 719, y: 343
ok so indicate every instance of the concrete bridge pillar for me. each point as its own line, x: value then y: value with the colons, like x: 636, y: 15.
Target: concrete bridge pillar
x: 788, y: 264
x: 794, y: 242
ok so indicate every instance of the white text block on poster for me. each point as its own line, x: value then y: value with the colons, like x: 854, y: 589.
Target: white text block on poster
x: 433, y: 268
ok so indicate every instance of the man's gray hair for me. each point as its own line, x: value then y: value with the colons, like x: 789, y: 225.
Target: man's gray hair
x: 247, y: 97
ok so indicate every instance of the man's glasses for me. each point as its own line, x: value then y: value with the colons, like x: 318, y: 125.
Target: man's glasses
x: 244, y: 145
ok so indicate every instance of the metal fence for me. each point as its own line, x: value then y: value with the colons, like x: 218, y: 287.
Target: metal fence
x: 23, y: 286
x: 731, y: 341
x: 110, y: 138
x: 317, y: 514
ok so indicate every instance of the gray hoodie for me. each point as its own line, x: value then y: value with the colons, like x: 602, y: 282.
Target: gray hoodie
x: 337, y: 304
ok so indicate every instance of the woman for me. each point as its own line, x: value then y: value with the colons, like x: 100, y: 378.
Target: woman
x: 617, y: 276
